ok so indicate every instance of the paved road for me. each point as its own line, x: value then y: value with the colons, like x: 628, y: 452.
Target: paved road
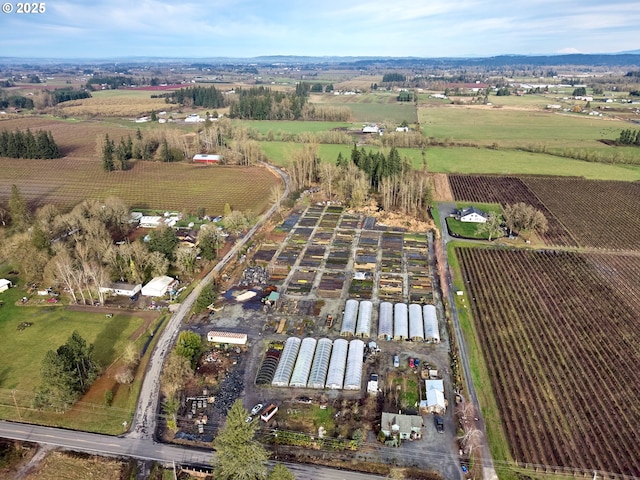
x: 144, y: 420
x: 489, y: 473
x: 97, y: 444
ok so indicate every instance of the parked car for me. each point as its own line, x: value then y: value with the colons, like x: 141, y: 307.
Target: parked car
x: 412, y: 364
x: 439, y: 423
x: 256, y: 409
x: 396, y: 361
x: 249, y: 419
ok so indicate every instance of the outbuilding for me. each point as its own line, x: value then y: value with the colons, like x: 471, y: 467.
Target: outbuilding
x: 207, y: 158
x: 385, y: 321
x: 158, y: 286
x: 5, y: 284
x: 349, y: 318
x: 122, y: 289
x: 233, y: 338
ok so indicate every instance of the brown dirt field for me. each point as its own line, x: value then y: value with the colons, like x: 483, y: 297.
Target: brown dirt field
x: 73, y: 467
x: 441, y: 188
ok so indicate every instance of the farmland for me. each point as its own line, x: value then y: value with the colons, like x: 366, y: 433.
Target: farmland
x: 560, y: 343
x: 579, y: 211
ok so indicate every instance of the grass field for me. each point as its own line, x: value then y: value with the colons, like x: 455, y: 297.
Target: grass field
x: 374, y: 107
x: 77, y: 467
x: 475, y: 160
x: 115, y: 103
x: 286, y: 126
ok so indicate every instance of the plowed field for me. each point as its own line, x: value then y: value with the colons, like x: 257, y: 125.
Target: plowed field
x: 560, y: 333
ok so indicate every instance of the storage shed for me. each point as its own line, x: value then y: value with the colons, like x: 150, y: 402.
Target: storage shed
x: 431, y: 331
x: 158, y: 286
x: 363, y: 328
x: 416, y: 327
x: 385, y: 321
x: 287, y: 361
x: 349, y: 318
x: 233, y: 338
x: 353, y: 374
x: 4, y: 284
x: 302, y: 367
x: 337, y: 364
x: 320, y: 366
x: 400, y: 321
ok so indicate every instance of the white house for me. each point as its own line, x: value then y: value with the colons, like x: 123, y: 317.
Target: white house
x: 472, y: 215
x: 194, y: 118
x: 151, y: 221
x: 158, y: 286
x: 4, y: 284
x: 401, y: 425
x: 402, y: 129
x: 122, y: 289
x: 371, y: 128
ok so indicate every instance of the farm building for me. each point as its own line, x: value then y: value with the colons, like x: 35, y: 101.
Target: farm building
x: 353, y: 374
x: 158, y: 286
x: 403, y: 426
x: 416, y: 326
x: 435, y: 402
x: 217, y: 336
x: 151, y: 221
x: 287, y: 362
x: 385, y: 321
x: 349, y: 318
x: 4, y: 284
x: 320, y: 366
x: 363, y: 328
x: 337, y: 364
x: 371, y: 128
x: 207, y: 158
x: 302, y: 367
x: 122, y: 289
x: 472, y: 215
x: 268, y: 413
x: 431, y: 331
x: 134, y: 218
x: 400, y: 322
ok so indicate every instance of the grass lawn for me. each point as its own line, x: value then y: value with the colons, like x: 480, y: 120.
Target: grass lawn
x: 24, y: 350
x: 285, y: 126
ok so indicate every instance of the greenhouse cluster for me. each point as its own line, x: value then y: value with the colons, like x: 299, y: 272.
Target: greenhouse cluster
x: 356, y: 319
x: 414, y: 322
x: 320, y: 364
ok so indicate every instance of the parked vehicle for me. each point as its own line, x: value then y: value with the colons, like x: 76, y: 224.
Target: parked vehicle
x: 396, y: 361
x: 412, y: 363
x: 256, y: 409
x: 439, y: 423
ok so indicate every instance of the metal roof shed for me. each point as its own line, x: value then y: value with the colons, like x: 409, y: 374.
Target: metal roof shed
x: 431, y: 331
x: 416, y: 327
x: 363, y: 329
x: 400, y: 321
x: 385, y: 321
x: 337, y: 364
x: 349, y: 318
x: 302, y: 367
x: 320, y: 366
x: 353, y: 375
x: 287, y: 361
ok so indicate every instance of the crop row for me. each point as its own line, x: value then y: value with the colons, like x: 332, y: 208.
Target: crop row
x: 560, y: 346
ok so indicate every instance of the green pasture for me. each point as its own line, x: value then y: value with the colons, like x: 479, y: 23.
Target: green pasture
x: 376, y: 107
x: 121, y: 93
x: 474, y: 160
x: 285, y: 126
x: 511, y: 128
x: 24, y: 350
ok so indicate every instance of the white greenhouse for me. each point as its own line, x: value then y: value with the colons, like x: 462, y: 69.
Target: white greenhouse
x: 337, y: 364
x: 302, y: 367
x: 400, y: 322
x: 385, y: 321
x: 431, y: 331
x: 363, y: 329
x: 287, y: 361
x: 349, y: 318
x: 353, y: 375
x: 416, y: 327
x: 320, y: 365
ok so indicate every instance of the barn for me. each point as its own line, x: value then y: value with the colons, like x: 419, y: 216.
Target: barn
x: 158, y: 286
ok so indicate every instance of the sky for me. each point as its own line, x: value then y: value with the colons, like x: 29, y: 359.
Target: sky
x: 250, y: 28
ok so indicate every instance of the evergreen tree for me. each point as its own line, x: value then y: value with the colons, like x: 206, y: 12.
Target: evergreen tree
x: 238, y: 455
x: 108, y: 150
x: 18, y: 210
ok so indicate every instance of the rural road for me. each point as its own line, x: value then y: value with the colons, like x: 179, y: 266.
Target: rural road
x: 144, y: 421
x: 489, y: 472
x: 106, y: 445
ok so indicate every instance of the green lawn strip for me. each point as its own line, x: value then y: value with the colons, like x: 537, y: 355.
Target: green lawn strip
x: 290, y: 126
x: 497, y: 439
x: 469, y: 229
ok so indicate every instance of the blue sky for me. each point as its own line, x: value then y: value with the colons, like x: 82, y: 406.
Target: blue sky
x: 248, y: 28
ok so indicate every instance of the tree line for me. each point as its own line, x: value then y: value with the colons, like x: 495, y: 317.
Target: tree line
x: 261, y: 103
x: 207, y: 97
x: 26, y: 144
x: 629, y: 137
x: 113, y: 82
